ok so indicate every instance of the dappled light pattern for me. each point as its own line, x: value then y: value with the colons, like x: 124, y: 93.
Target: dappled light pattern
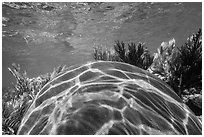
x: 108, y: 98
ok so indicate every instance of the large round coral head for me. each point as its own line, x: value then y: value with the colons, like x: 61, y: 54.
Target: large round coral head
x: 108, y: 98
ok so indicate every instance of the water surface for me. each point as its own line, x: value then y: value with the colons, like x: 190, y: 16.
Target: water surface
x: 42, y: 36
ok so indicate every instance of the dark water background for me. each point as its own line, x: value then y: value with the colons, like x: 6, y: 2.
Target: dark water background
x: 41, y: 36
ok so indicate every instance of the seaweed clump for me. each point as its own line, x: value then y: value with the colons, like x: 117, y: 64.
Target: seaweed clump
x: 161, y: 65
x: 187, y: 68
x: 134, y: 54
x: 180, y: 67
x: 186, y: 72
x: 16, y: 100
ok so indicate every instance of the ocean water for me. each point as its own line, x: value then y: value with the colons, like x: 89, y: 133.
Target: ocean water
x: 42, y: 36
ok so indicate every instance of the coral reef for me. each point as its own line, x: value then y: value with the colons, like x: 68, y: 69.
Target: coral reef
x: 180, y: 67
